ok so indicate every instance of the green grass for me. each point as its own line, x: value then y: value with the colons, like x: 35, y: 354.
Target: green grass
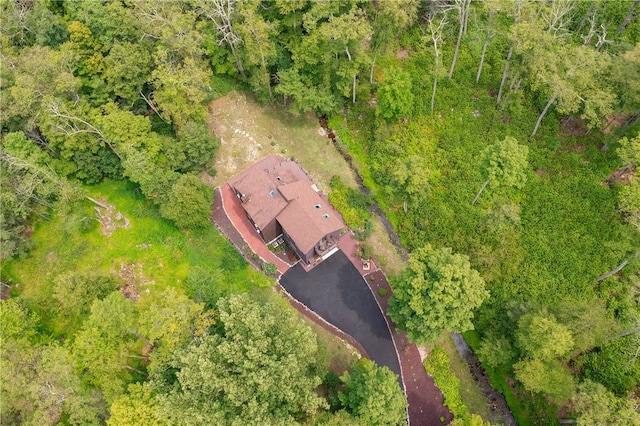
x: 469, y: 390
x: 162, y: 256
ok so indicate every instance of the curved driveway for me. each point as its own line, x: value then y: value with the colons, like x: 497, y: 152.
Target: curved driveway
x: 336, y: 291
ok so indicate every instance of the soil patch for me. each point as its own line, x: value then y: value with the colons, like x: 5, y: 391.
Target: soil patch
x: 110, y: 219
x: 573, y: 126
x: 622, y: 176
x: 133, y: 278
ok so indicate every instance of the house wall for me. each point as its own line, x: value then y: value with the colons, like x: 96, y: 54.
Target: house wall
x: 271, y: 231
x: 295, y: 248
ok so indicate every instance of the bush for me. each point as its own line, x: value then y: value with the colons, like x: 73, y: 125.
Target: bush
x: 364, y: 251
x: 437, y: 364
x: 352, y: 205
x: 269, y: 268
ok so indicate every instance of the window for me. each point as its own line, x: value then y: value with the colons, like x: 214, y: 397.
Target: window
x: 317, y: 206
x: 326, y: 216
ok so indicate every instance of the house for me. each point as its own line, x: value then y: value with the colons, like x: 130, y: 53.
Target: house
x: 281, y: 201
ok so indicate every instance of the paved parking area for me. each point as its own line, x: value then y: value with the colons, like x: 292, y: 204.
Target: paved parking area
x: 336, y: 291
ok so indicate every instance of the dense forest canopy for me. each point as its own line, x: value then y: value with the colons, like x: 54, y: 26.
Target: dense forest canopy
x: 500, y: 138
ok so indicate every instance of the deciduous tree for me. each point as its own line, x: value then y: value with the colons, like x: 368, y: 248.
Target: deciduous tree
x: 372, y: 395
x: 505, y: 164
x: 259, y: 369
x: 438, y: 291
x: 597, y: 406
x: 188, y: 203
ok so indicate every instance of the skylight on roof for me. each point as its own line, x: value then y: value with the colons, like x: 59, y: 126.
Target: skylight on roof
x: 272, y: 193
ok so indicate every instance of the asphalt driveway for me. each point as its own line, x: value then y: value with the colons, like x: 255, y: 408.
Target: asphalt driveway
x: 336, y: 291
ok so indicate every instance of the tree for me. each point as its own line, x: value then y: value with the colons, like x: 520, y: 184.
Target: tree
x: 104, y: 347
x: 597, y: 406
x: 391, y: 17
x: 462, y: 6
x: 193, y: 149
x: 542, y: 341
x: 40, y: 387
x: 572, y: 76
x: 259, y: 369
x: 37, y: 381
x: 629, y: 202
x: 127, y: 69
x: 258, y: 47
x: 540, y: 336
x: 189, y: 203
x: 435, y: 31
x: 629, y: 151
x: 395, y: 98
x: 549, y: 378
x: 167, y: 322
x: 438, y: 291
x: 505, y: 164
x: 76, y: 291
x: 138, y: 407
x: 372, y: 395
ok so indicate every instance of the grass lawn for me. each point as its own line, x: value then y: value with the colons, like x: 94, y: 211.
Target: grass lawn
x: 150, y: 254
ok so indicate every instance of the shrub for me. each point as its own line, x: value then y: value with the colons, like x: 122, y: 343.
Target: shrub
x: 437, y: 364
x: 269, y: 268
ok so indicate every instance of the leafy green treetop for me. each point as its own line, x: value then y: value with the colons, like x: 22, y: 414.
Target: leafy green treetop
x: 597, y: 406
x: 542, y: 341
x: 373, y: 395
x: 505, y: 164
x: 258, y: 370
x: 439, y: 291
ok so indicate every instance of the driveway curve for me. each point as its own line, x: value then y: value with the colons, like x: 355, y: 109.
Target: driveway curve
x: 336, y: 291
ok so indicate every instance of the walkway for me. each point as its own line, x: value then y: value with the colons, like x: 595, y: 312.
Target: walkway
x: 426, y: 403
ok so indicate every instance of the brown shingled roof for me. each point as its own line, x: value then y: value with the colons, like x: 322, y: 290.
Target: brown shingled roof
x: 307, y: 218
x: 276, y: 188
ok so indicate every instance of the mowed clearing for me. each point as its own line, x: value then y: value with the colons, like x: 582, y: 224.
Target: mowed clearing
x: 249, y: 132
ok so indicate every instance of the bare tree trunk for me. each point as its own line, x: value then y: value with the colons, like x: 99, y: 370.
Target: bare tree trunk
x: 484, y: 50
x: 354, y: 89
x: 542, y: 114
x: 630, y: 17
x: 96, y: 202
x: 584, y: 18
x: 484, y: 185
x: 465, y: 18
x: 505, y: 73
x: 373, y: 64
x: 484, y: 46
x: 617, y: 269
x: 625, y: 333
x: 455, y: 53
